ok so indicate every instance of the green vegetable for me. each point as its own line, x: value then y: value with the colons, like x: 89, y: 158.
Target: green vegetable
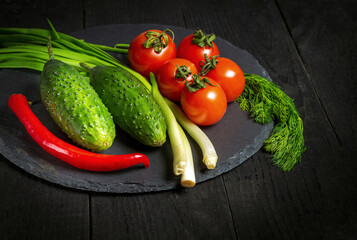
x: 132, y: 107
x: 27, y: 47
x: 267, y: 102
x: 188, y: 177
x: 208, y: 151
x: 177, y: 143
x: 182, y: 154
x: 75, y: 106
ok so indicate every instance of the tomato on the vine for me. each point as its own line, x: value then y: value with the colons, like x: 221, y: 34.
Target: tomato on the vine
x: 203, y: 101
x: 172, y: 76
x: 150, y: 50
x: 194, y: 46
x: 227, y: 73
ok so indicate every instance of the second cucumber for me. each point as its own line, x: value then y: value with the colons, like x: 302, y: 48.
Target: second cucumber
x: 133, y: 108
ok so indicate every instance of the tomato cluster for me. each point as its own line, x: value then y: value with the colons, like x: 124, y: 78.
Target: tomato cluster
x: 193, y: 74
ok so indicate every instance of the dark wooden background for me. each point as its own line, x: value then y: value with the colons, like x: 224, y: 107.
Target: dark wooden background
x: 308, y: 48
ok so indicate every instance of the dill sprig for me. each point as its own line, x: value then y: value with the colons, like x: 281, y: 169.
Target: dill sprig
x: 266, y: 102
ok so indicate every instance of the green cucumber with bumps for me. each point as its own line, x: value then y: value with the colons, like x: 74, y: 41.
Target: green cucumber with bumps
x: 133, y: 108
x: 75, y: 106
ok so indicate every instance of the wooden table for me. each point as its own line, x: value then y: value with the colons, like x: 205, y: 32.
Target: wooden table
x: 307, y: 47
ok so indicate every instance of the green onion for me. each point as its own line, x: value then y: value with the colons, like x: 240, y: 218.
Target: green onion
x: 33, y: 42
x: 188, y: 177
x: 208, y: 151
x: 173, y: 129
x: 119, y: 48
x: 22, y: 62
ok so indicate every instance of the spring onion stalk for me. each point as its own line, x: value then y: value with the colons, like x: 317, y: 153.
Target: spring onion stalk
x: 34, y: 62
x: 41, y: 53
x: 208, y: 151
x: 32, y: 36
x: 173, y: 129
x: 19, y: 62
x: 188, y: 177
x: 118, y: 48
x: 122, y: 45
x: 31, y: 53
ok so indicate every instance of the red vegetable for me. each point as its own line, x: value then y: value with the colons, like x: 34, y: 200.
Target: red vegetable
x: 203, y: 101
x: 150, y: 50
x: 227, y: 74
x: 194, y: 46
x: 66, y: 152
x: 172, y: 76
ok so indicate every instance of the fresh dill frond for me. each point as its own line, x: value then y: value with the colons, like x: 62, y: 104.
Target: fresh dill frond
x: 266, y: 102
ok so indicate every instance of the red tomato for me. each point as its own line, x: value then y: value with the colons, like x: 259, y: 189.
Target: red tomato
x: 149, y: 59
x: 195, y: 53
x: 229, y: 76
x: 168, y: 80
x: 206, y: 106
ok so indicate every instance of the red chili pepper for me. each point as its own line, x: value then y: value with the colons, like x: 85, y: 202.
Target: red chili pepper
x: 66, y: 152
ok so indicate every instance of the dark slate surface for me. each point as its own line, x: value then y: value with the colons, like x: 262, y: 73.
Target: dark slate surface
x: 236, y: 137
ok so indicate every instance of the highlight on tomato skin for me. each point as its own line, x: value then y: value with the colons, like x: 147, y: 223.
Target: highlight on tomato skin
x: 206, y: 106
x: 146, y: 55
x: 172, y: 76
x: 229, y: 76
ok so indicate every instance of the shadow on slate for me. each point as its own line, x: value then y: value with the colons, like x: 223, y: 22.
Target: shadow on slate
x: 236, y: 137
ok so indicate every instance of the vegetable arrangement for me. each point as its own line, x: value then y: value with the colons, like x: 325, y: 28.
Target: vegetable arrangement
x: 193, y: 75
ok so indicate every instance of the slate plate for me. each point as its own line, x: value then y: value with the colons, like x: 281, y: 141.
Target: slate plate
x: 236, y: 137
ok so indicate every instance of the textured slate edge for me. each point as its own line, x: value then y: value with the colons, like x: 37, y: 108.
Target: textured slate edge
x: 131, y: 187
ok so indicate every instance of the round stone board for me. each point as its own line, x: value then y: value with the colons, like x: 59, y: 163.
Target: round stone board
x: 236, y: 137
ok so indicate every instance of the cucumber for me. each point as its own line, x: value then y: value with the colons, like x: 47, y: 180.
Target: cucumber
x: 133, y: 108
x: 75, y: 106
